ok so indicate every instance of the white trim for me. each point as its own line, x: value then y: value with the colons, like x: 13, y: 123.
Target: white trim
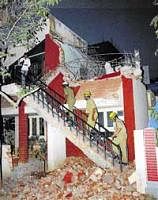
x: 140, y: 104
x: 100, y: 103
x: 30, y: 126
x: 140, y: 160
x: 10, y: 111
x: 37, y: 126
x: 17, y: 131
x: 56, y: 150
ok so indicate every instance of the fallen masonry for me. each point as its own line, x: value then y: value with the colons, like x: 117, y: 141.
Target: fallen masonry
x: 77, y: 179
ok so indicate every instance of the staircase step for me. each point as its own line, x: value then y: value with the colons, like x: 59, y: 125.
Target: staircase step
x: 83, y: 143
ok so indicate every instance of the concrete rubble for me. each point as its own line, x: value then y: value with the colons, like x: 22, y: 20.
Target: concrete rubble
x: 77, y: 179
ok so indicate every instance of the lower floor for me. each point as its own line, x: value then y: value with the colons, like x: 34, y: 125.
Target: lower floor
x: 70, y: 180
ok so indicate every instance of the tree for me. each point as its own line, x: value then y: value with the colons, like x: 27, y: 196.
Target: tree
x: 154, y: 23
x: 20, y: 20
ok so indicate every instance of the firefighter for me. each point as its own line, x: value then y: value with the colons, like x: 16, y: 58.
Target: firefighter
x: 26, y: 63
x: 69, y: 97
x: 120, y: 136
x: 91, y: 109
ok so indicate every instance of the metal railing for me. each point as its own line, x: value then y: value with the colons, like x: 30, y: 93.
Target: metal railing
x: 54, y: 103
x: 76, y: 122
x: 62, y: 100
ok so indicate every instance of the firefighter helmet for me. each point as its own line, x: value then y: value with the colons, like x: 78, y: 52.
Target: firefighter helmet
x: 112, y: 115
x: 87, y: 93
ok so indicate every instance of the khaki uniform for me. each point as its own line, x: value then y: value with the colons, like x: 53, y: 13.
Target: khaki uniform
x: 92, y: 112
x: 121, y: 139
x: 70, y: 98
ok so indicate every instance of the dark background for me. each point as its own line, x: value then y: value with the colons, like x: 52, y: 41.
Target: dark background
x: 126, y: 23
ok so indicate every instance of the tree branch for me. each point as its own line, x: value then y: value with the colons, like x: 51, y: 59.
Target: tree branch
x: 15, y: 23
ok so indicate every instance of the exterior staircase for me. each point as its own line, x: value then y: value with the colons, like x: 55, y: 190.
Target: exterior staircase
x: 99, y: 150
x: 92, y: 141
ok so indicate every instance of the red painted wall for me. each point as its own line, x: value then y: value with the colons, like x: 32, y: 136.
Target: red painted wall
x: 72, y: 150
x: 51, y: 54
x: 129, y: 116
x: 56, y: 84
x: 75, y: 89
x: 128, y: 110
x: 150, y: 153
x: 51, y: 62
x: 23, y: 134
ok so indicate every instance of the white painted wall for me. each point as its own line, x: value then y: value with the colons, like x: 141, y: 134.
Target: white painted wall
x: 16, y: 131
x: 140, y: 104
x: 6, y: 161
x: 46, y: 29
x: 100, y: 103
x: 67, y: 35
x: 104, y: 105
x: 10, y: 111
x: 16, y: 52
x: 140, y: 160
x: 56, y: 147
x: 10, y: 89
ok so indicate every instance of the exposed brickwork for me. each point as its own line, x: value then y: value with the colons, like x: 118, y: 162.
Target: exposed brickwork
x: 129, y: 116
x: 23, y: 134
x: 103, y: 88
x: 150, y: 153
x: 114, y: 74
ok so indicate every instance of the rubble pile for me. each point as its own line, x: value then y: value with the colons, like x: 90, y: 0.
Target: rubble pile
x: 76, y: 179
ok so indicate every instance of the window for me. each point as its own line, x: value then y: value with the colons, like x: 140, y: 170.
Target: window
x: 9, y: 130
x: 28, y: 122
x: 109, y: 121
x: 120, y: 113
x: 101, y: 118
x: 34, y: 125
x: 41, y: 126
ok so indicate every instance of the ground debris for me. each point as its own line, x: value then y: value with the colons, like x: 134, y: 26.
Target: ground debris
x: 77, y: 179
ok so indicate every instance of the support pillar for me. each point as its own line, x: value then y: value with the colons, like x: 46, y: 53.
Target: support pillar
x: 16, y: 132
x: 152, y: 159
x: 140, y: 160
x: 146, y: 159
x: 129, y: 115
x: 56, y: 147
x: 23, y: 134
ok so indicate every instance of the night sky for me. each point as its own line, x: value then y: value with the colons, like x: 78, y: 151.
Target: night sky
x: 126, y: 23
